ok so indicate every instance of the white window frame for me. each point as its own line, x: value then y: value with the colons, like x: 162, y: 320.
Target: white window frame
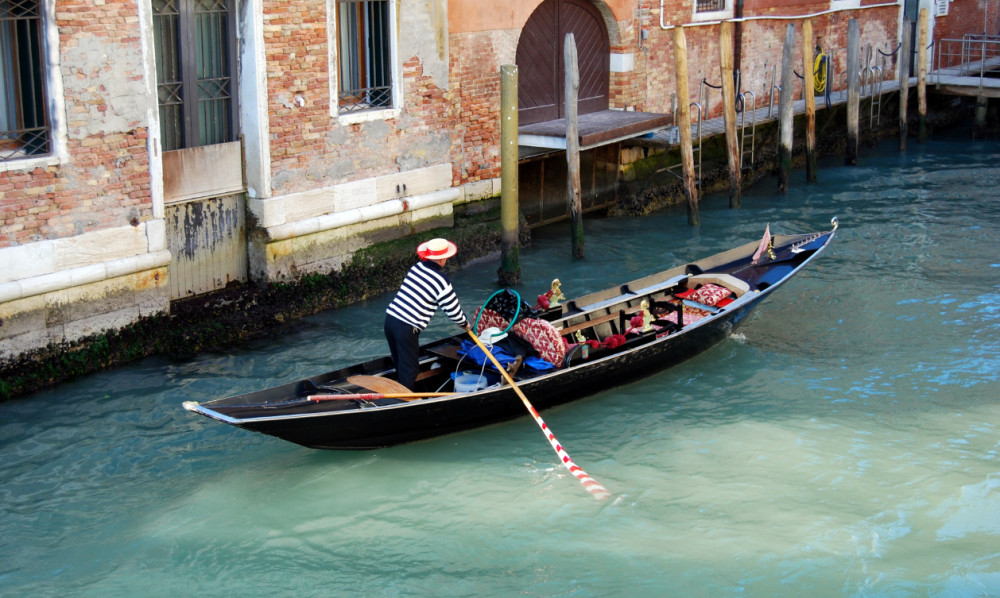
x: 715, y: 15
x: 844, y: 4
x: 361, y: 116
x: 55, y: 99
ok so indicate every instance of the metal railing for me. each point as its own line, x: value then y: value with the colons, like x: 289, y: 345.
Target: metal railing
x: 971, y: 56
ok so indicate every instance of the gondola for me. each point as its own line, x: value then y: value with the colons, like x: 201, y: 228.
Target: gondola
x: 562, y: 352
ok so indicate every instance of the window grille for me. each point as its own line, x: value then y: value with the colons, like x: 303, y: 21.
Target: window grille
x: 364, y: 57
x: 24, y: 122
x: 710, y: 5
x: 195, y: 71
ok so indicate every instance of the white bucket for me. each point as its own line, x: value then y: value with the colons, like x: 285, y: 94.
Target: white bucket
x: 470, y: 383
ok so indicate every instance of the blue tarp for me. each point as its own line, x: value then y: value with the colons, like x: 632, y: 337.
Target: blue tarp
x: 473, y: 352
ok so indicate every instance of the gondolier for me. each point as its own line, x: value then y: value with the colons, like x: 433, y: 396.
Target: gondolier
x: 425, y: 289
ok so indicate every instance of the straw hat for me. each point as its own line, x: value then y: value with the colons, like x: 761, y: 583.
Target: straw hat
x: 436, y: 249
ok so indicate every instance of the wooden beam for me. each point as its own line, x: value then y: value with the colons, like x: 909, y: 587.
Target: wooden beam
x: 573, y: 146
x: 683, y: 122
x: 509, y: 273
x: 808, y: 87
x: 853, y: 90
x: 922, y: 77
x: 786, y: 112
x: 729, y: 112
x: 905, y: 51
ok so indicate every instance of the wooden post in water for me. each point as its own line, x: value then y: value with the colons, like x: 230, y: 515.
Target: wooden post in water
x: 905, y: 51
x: 922, y: 77
x: 509, y: 273
x: 573, y: 146
x: 853, y: 90
x: 683, y: 122
x: 809, y: 92
x: 982, y: 107
x: 729, y: 112
x: 786, y: 112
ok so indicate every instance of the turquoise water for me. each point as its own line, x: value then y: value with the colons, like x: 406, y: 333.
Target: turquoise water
x: 844, y: 443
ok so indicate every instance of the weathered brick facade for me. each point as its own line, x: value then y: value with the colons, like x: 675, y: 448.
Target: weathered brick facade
x: 320, y: 182
x: 106, y: 181
x: 967, y: 16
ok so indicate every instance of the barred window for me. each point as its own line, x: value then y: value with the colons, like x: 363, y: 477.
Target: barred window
x: 195, y: 47
x: 710, y: 5
x: 24, y: 122
x: 363, y: 55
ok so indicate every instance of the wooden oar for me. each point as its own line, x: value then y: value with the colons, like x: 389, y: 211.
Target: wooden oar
x: 590, y: 484
x: 371, y: 396
x: 378, y: 384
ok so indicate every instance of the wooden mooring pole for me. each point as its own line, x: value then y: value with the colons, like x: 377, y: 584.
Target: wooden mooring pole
x: 729, y: 112
x: 922, y: 77
x: 683, y: 122
x: 853, y: 90
x: 809, y: 92
x: 573, y: 146
x: 509, y: 273
x: 786, y: 113
x: 905, y: 51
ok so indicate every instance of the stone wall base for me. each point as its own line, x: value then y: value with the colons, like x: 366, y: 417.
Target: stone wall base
x: 67, y: 315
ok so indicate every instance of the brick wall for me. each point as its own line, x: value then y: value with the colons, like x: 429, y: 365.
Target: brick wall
x: 761, y: 42
x: 475, y: 79
x: 310, y: 149
x: 105, y: 183
x: 966, y: 16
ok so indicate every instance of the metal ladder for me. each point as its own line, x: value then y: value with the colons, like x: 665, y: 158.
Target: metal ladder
x: 871, y: 78
x: 695, y: 149
x: 875, y: 111
x: 743, y: 126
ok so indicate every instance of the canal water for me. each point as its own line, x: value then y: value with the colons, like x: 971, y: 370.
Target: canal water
x: 845, y: 442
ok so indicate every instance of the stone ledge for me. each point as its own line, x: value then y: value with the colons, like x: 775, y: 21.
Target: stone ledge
x: 65, y: 279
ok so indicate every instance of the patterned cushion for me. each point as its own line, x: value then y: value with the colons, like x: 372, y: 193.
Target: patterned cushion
x: 709, y: 294
x: 544, y: 337
x: 489, y: 319
x: 540, y: 334
x: 691, y: 315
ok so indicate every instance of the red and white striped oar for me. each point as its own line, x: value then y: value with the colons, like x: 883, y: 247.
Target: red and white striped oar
x: 590, y: 484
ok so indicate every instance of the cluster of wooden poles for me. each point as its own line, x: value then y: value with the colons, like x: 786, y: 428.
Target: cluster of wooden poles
x: 509, y: 272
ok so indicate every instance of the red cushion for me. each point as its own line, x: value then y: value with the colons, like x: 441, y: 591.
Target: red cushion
x: 489, y: 319
x: 691, y: 315
x: 545, y: 339
x: 709, y: 294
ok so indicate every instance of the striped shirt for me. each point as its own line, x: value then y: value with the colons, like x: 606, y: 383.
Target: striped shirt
x: 426, y: 288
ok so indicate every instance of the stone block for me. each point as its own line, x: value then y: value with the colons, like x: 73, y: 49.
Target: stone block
x: 413, y: 182
x: 25, y: 261
x: 478, y: 190
x: 99, y: 246
x: 156, y: 235
x: 354, y: 195
x: 268, y: 212
x: 299, y: 206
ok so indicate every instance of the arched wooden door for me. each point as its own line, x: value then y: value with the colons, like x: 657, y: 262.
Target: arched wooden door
x: 541, y: 73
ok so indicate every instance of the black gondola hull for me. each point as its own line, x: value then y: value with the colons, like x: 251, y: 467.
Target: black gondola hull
x: 286, y: 413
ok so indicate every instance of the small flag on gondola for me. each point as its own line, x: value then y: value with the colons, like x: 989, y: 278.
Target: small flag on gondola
x: 765, y: 244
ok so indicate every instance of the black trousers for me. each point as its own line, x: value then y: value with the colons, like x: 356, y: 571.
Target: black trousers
x: 404, y: 345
